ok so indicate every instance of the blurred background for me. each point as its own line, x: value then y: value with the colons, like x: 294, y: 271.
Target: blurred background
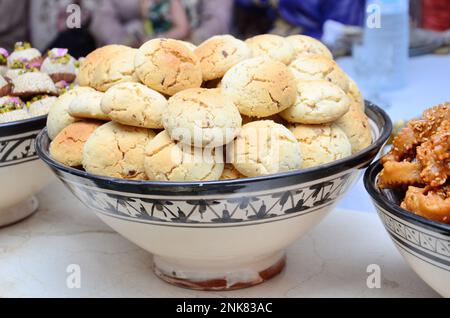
x: 338, y: 23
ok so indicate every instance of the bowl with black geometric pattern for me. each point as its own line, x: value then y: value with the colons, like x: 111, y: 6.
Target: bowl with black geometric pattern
x: 22, y: 174
x: 424, y: 244
x: 220, y: 235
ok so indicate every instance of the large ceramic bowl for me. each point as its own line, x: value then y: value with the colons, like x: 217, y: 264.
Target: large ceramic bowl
x: 424, y: 244
x: 225, y: 234
x: 22, y: 174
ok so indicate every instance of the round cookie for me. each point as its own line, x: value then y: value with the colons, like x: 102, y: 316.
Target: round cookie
x: 230, y: 173
x: 317, y: 67
x: 88, y: 105
x: 264, y: 148
x: 260, y: 87
x: 41, y: 105
x: 33, y: 83
x: 107, y: 66
x: 355, y: 93
x: 355, y: 125
x: 58, y: 116
x: 67, y: 147
x: 273, y: 46
x: 166, y: 160
x: 202, y: 117
x: 306, y: 45
x: 117, y: 151
x: 134, y: 104
x: 220, y: 53
x: 321, y: 144
x: 168, y: 66
x: 318, y: 102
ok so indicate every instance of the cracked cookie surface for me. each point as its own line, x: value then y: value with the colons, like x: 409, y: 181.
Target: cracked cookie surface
x: 306, y: 45
x: 58, y: 116
x: 117, y: 151
x: 318, y: 102
x: 167, y: 160
x: 134, y: 104
x: 202, y: 117
x: 220, y: 53
x: 67, y: 147
x: 260, y: 87
x: 321, y: 144
x: 317, y: 67
x: 273, y: 46
x: 168, y: 66
x: 264, y: 148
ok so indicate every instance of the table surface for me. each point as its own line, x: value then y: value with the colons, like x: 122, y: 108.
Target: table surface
x: 331, y: 261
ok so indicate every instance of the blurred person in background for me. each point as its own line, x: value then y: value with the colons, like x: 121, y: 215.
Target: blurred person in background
x: 133, y: 22
x: 14, y: 24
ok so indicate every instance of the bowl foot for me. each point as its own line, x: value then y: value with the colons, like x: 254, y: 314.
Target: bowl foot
x: 220, y: 276
x: 19, y: 212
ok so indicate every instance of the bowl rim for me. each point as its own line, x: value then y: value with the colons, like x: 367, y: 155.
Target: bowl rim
x: 374, y: 112
x: 370, y: 178
x: 20, y: 126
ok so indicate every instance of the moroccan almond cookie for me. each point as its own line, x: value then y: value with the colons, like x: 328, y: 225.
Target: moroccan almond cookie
x: 355, y: 125
x: 59, y: 117
x: 134, y: 104
x: 355, y: 93
x: 33, y: 83
x: 108, y: 66
x: 202, y: 117
x: 260, y: 87
x: 117, y: 151
x: 317, y: 67
x: 264, y: 148
x: 321, y: 144
x: 167, y: 160
x: 67, y: 147
x: 318, y: 102
x: 168, y: 66
x: 88, y: 105
x: 272, y: 46
x: 220, y: 53
x: 231, y: 173
x: 306, y: 45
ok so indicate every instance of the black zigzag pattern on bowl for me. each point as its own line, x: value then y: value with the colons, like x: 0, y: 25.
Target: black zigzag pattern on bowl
x: 18, y: 149
x: 429, y: 246
x: 245, y: 208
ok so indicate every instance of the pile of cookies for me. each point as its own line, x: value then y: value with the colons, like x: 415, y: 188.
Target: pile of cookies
x: 30, y: 83
x: 227, y: 109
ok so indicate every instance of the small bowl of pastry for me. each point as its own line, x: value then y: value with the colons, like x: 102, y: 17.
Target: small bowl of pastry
x: 411, y: 191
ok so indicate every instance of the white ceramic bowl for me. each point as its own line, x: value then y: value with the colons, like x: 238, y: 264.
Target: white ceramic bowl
x: 424, y: 244
x: 22, y: 174
x: 220, y: 235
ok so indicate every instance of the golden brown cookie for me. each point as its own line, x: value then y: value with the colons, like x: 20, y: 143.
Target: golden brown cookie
x: 88, y: 105
x: 318, y: 102
x: 356, y: 126
x: 321, y: 144
x: 166, y: 160
x: 134, y: 104
x: 117, y: 151
x: 272, y: 46
x: 168, y: 66
x: 220, y: 53
x: 67, y: 147
x: 318, y: 67
x: 306, y: 45
x: 59, y: 117
x: 264, y: 148
x: 202, y: 117
x: 231, y: 173
x: 260, y: 87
